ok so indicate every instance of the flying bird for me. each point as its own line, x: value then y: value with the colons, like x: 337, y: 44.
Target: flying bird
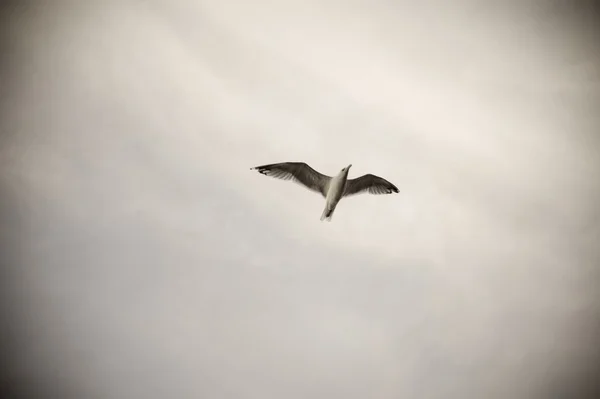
x: 332, y: 188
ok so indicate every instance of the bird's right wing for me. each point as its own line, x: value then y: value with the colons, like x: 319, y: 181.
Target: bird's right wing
x: 298, y: 172
x: 369, y: 183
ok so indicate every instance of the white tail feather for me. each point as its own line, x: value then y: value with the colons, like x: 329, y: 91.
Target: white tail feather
x: 327, y: 214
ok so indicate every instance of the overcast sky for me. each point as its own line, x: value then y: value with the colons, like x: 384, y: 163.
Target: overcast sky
x: 145, y: 260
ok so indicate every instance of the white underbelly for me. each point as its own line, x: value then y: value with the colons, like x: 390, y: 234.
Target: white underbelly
x: 334, y: 194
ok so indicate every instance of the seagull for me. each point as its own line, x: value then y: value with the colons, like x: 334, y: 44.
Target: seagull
x: 333, y: 189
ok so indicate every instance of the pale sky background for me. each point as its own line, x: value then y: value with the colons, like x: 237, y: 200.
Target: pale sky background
x: 143, y: 259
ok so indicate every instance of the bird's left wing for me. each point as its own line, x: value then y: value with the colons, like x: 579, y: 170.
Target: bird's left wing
x: 298, y: 172
x: 371, y: 184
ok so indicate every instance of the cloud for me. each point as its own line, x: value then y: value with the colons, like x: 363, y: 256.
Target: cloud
x: 146, y: 260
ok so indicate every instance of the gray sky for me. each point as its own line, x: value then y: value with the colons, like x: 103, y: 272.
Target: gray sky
x: 145, y: 260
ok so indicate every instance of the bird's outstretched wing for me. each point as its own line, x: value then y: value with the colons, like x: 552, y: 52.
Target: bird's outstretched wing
x: 298, y: 172
x: 371, y: 184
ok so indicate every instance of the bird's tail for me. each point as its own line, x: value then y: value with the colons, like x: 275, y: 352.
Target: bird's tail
x: 327, y: 214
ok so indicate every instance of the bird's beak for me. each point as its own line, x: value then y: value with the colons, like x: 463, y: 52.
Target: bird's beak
x: 349, y: 166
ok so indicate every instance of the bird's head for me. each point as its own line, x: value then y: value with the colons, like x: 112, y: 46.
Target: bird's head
x: 346, y: 169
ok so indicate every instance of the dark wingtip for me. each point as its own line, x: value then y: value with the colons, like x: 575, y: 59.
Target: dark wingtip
x: 260, y: 170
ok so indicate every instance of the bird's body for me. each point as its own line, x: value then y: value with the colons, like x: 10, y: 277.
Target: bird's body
x: 335, y: 191
x: 332, y: 188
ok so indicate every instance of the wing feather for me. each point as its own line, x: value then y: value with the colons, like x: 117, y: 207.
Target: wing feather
x: 370, y: 184
x: 299, y: 172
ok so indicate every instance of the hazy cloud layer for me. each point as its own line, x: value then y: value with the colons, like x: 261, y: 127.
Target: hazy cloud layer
x: 144, y: 259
